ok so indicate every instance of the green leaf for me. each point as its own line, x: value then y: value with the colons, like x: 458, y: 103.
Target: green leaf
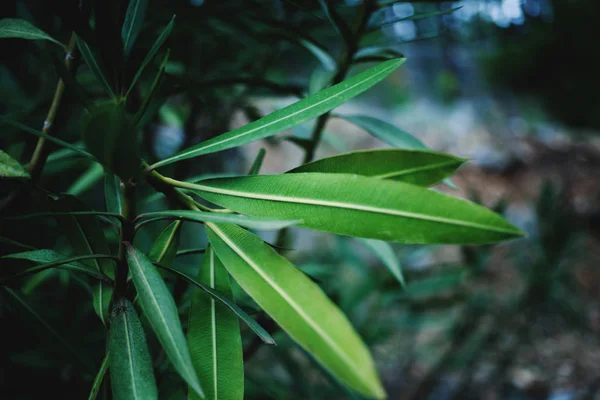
x: 287, y: 117
x: 109, y: 134
x: 92, y: 63
x: 200, y: 216
x: 419, y: 167
x: 214, y: 336
x: 142, y: 113
x: 153, y: 50
x: 11, y: 168
x: 385, y: 132
x: 87, y: 237
x: 131, y: 372
x: 359, y: 206
x: 112, y: 194
x: 390, y: 134
x: 321, y: 54
x: 18, y: 125
x: 255, y: 168
x: 99, y: 377
x: 336, y: 20
x: 164, y: 248
x: 386, y: 254
x: 86, y: 180
x: 134, y: 20
x: 161, y: 311
x: 11, y: 242
x: 21, y: 29
x: 252, y: 324
x: 298, y: 305
x: 51, y: 259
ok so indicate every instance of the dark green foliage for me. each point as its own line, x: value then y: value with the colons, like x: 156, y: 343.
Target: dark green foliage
x: 133, y: 77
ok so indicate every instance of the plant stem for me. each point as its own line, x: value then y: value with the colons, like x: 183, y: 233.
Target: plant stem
x: 164, y: 185
x: 344, y: 65
x: 38, y: 159
x: 352, y: 46
x: 126, y: 236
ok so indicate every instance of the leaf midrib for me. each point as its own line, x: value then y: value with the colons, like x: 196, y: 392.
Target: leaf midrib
x: 129, y: 352
x: 343, y: 205
x: 333, y: 345
x: 415, y: 170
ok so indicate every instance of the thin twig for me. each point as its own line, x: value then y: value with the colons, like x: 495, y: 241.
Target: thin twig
x: 40, y: 154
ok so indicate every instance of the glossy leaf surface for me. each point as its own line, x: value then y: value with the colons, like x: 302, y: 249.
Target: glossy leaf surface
x: 298, y: 305
x: 287, y: 117
x: 161, y: 310
x: 131, y: 372
x: 360, y: 206
x: 21, y: 29
x: 419, y: 167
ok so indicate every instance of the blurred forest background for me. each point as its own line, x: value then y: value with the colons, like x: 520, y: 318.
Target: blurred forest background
x: 510, y: 84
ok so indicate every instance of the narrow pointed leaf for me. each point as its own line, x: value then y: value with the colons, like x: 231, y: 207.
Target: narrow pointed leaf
x: 164, y: 248
x: 161, y: 311
x: 21, y: 29
x: 87, y: 237
x: 391, y: 135
x: 214, y: 337
x: 92, y: 63
x: 252, y: 324
x: 134, y: 20
x: 419, y: 167
x: 86, y: 180
x: 360, y: 206
x: 131, y: 372
x: 51, y: 259
x: 201, y: 216
x: 336, y: 20
x: 298, y: 305
x: 11, y: 168
x: 112, y: 194
x: 153, y: 50
x: 386, y: 254
x: 35, y: 132
x: 320, y: 54
x: 141, y: 114
x: 287, y: 117
x: 99, y: 377
x: 255, y: 168
x: 385, y: 132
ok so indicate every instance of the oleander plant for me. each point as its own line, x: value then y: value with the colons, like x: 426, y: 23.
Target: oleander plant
x: 98, y: 291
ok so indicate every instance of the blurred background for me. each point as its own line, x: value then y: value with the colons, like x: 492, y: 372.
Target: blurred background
x: 511, y: 85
